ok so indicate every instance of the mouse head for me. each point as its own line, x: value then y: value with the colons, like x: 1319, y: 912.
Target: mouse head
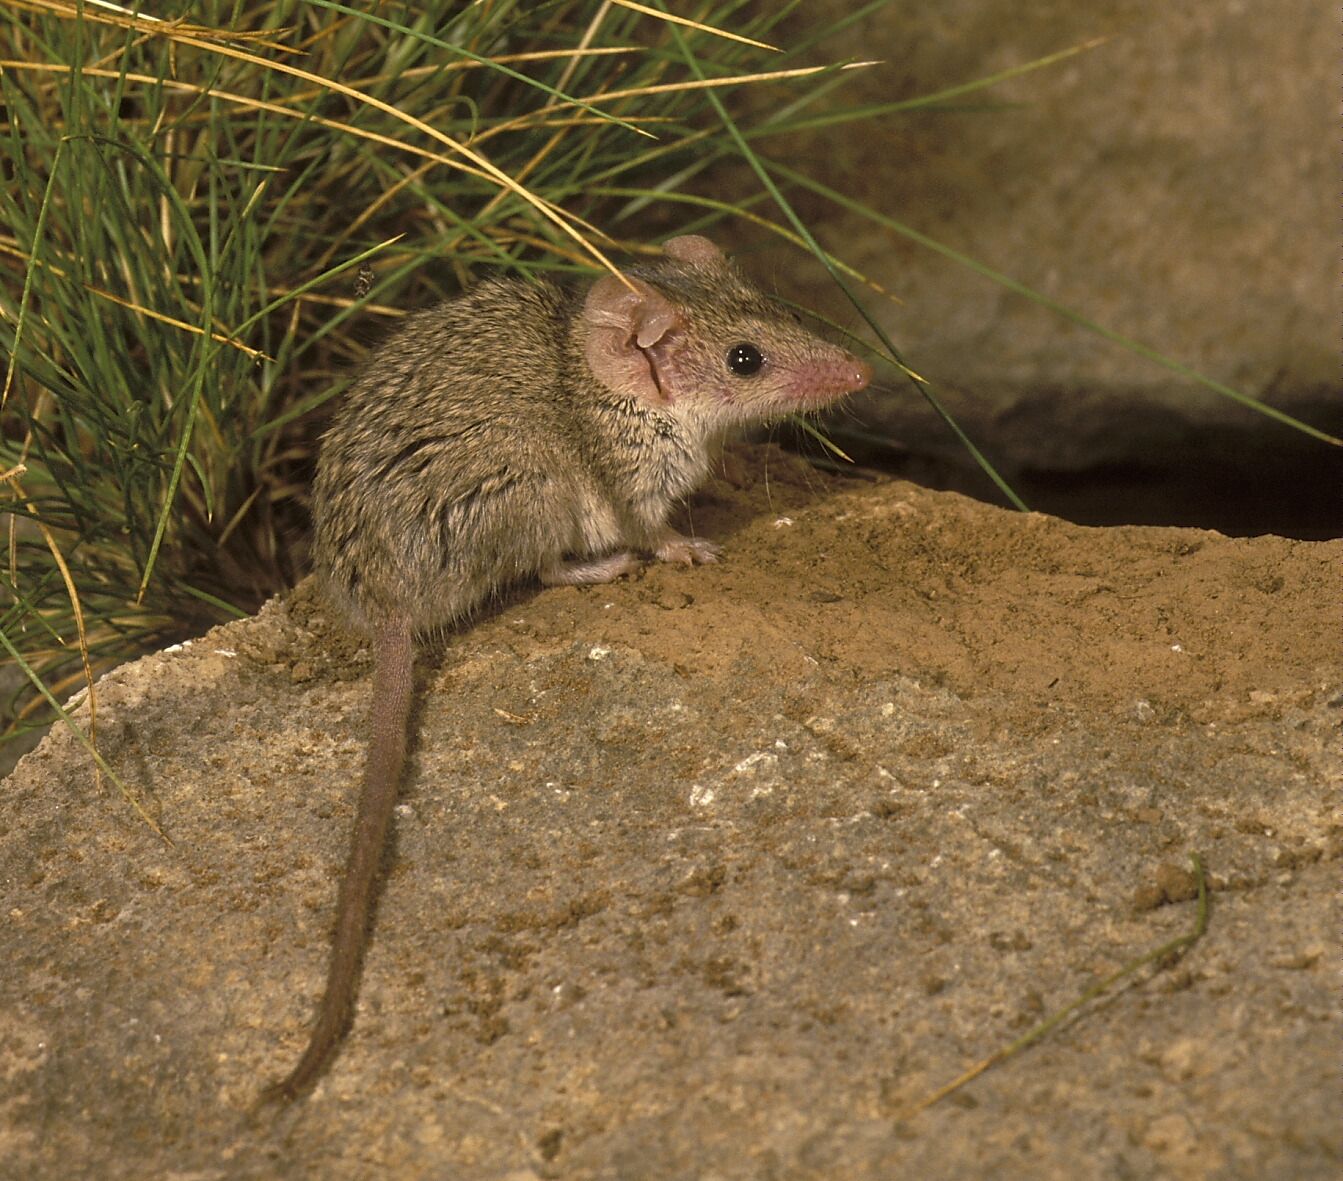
x: 692, y: 335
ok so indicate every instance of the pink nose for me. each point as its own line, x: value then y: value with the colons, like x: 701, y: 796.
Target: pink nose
x: 859, y: 375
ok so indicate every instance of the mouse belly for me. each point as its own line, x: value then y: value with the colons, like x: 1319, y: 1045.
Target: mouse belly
x: 435, y: 554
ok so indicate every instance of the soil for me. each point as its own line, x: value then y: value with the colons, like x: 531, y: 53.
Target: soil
x: 719, y: 873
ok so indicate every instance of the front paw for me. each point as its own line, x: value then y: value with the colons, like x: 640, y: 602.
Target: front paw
x: 688, y: 551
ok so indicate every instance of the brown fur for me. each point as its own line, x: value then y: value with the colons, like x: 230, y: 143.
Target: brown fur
x: 516, y: 432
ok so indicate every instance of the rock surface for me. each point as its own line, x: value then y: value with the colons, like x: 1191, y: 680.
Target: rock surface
x: 716, y: 873
x: 1177, y: 184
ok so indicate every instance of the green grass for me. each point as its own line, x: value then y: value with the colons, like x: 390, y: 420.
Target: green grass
x: 203, y: 224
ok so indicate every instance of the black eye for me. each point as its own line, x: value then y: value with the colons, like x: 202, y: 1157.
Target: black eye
x: 744, y: 359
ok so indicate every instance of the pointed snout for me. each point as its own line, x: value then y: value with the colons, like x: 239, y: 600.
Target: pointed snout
x: 827, y: 377
x: 860, y: 374
x: 842, y: 373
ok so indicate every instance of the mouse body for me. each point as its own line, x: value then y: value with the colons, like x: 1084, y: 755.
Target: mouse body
x: 524, y: 431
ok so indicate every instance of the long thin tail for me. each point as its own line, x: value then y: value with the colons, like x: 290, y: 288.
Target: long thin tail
x: 393, y: 654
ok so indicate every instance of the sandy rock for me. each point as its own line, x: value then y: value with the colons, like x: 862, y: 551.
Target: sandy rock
x: 717, y: 872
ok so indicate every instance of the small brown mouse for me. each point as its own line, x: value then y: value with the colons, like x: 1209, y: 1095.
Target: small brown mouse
x: 524, y: 431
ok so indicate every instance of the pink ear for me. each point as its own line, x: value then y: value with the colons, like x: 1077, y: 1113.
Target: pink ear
x: 693, y: 249
x: 627, y: 330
